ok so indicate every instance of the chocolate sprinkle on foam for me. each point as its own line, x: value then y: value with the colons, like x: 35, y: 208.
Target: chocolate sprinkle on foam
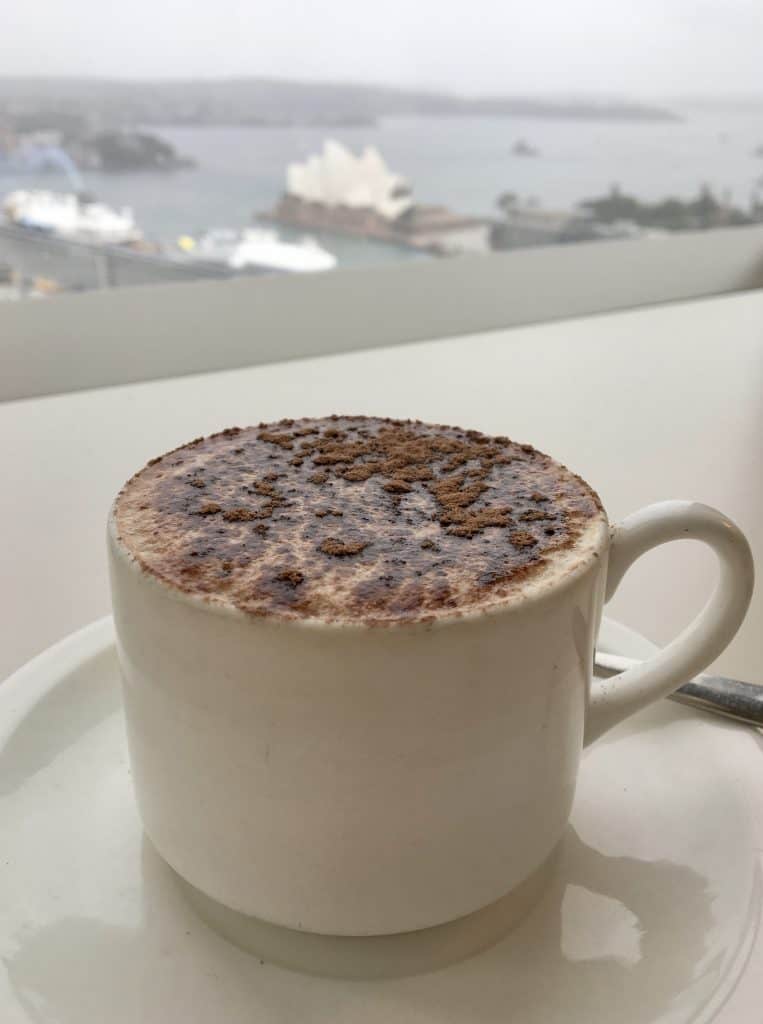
x: 354, y: 518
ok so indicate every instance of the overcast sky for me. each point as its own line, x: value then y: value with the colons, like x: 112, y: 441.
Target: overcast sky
x: 640, y: 48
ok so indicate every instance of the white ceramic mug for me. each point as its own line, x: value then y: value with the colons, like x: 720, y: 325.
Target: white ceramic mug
x: 357, y: 781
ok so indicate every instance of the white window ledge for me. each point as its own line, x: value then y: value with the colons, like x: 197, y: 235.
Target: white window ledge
x: 73, y: 342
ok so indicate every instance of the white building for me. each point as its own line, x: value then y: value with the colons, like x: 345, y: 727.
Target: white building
x: 336, y: 177
x: 359, y: 195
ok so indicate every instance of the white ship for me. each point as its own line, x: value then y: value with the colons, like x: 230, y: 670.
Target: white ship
x: 257, y: 248
x: 71, y: 216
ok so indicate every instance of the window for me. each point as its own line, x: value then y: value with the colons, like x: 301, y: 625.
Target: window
x: 175, y: 142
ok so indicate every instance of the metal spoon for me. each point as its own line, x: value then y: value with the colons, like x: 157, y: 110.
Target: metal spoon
x: 728, y: 697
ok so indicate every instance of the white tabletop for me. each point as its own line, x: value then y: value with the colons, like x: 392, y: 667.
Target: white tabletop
x: 664, y: 402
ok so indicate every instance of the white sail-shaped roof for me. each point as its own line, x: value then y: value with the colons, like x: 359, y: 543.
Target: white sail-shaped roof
x: 337, y: 177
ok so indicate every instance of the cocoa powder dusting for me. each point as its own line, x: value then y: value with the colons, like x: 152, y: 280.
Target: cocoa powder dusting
x: 353, y: 518
x: 282, y: 440
x: 238, y: 515
x: 291, y: 576
x: 341, y: 548
x: 522, y: 539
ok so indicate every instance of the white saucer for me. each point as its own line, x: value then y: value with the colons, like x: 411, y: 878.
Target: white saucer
x: 650, y: 914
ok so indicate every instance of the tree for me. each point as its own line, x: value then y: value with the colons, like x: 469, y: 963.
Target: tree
x: 507, y: 202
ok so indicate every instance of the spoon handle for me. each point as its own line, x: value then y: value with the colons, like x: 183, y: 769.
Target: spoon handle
x: 732, y: 698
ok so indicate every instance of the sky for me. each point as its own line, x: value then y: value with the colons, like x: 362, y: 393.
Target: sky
x: 633, y: 48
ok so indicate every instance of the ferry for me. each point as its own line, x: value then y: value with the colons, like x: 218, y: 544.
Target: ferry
x: 72, y: 216
x: 256, y: 249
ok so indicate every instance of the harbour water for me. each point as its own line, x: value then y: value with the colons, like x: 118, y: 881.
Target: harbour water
x: 464, y: 163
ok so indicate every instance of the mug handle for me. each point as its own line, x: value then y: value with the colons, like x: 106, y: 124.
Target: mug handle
x: 612, y: 700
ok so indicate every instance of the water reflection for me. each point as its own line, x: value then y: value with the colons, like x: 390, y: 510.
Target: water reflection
x: 612, y: 938
x: 609, y: 929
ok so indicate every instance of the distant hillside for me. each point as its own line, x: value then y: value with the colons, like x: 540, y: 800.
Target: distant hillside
x: 272, y: 101
x: 721, y: 104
